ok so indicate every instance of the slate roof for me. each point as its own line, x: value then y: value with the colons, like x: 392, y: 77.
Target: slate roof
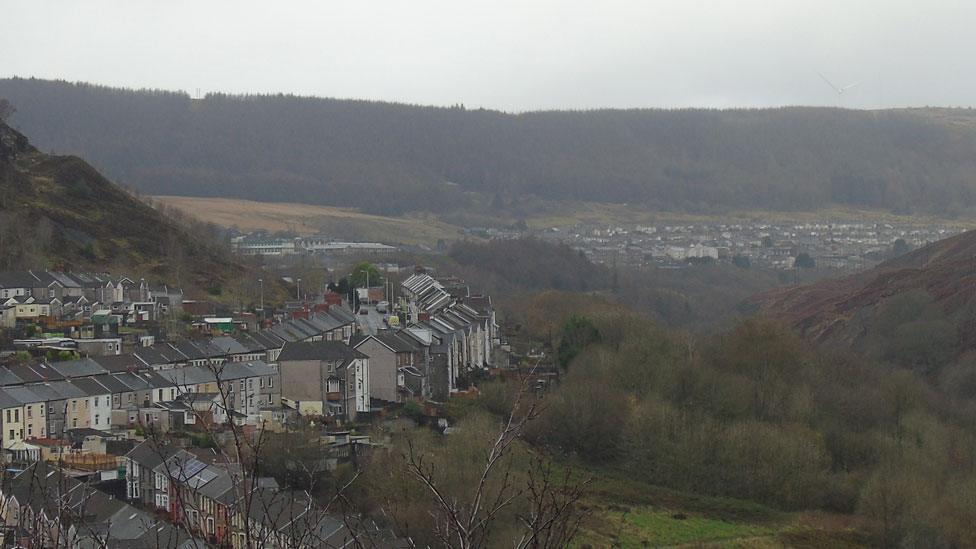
x: 8, y: 378
x: 119, y: 363
x: 78, y: 368
x: 319, y: 350
x: 90, y: 386
x: 230, y: 345
x: 8, y: 401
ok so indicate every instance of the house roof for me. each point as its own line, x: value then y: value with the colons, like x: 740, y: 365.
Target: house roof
x: 319, y: 350
x: 8, y: 401
x: 78, y: 368
x: 229, y: 345
x: 391, y: 340
x: 119, y: 363
x: 24, y: 395
x: 112, y: 383
x: 150, y: 453
x: 8, y: 378
x: 17, y: 279
x: 66, y: 389
x: 90, y: 386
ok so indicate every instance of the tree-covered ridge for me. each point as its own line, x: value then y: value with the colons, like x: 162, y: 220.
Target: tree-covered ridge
x: 390, y: 158
x: 57, y: 212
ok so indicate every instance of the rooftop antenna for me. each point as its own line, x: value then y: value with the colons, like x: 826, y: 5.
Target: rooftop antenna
x: 839, y: 90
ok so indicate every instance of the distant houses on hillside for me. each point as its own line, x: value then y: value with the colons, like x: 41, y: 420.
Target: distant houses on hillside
x: 261, y: 244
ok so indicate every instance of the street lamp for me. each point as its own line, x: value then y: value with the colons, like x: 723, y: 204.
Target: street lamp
x: 298, y: 289
x: 261, y: 282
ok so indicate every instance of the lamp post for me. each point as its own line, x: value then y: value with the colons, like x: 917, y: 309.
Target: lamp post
x: 261, y: 283
x: 298, y: 289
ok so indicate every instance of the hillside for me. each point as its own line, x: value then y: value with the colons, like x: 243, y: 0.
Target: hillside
x: 308, y: 219
x: 393, y: 158
x: 59, y: 212
x: 936, y: 283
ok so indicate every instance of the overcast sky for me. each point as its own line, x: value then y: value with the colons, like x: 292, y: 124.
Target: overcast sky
x: 511, y: 55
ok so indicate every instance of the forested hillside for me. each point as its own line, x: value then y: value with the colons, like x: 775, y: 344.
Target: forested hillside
x: 57, y: 212
x: 391, y: 158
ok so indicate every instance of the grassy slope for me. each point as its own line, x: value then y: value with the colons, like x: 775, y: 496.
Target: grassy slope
x: 305, y: 219
x: 99, y: 226
x: 627, y: 513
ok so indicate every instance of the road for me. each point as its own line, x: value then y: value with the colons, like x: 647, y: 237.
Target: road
x: 372, y: 322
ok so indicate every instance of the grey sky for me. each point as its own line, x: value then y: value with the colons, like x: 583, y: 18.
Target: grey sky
x: 511, y: 55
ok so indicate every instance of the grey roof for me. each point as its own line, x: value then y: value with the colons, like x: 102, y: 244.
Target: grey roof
x: 46, y: 391
x: 17, y: 279
x: 66, y: 389
x: 35, y: 372
x: 8, y: 378
x: 190, y: 350
x: 150, y: 454
x: 190, y: 375
x: 7, y: 400
x: 112, y: 383
x: 343, y: 315
x: 78, y: 368
x: 133, y: 381
x: 24, y: 394
x: 250, y: 343
x: 229, y: 345
x: 155, y: 380
x: 119, y: 363
x: 90, y: 386
x: 269, y: 339
x: 389, y: 339
x: 319, y: 350
x: 150, y: 356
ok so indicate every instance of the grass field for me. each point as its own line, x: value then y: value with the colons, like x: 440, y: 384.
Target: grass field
x: 345, y: 223
x: 305, y: 219
x: 628, y: 513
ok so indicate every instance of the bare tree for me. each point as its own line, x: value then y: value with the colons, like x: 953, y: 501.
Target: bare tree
x: 550, y: 518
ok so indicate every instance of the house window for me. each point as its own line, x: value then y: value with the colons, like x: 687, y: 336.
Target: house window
x: 333, y: 386
x: 210, y: 525
x: 74, y: 405
x: 8, y: 416
x: 16, y: 415
x: 261, y: 382
x: 30, y: 430
x: 11, y: 434
x: 270, y: 382
x: 74, y: 422
x: 96, y: 402
x: 160, y: 395
x: 42, y: 410
x: 97, y: 418
x: 30, y: 413
x: 250, y: 384
x: 242, y: 385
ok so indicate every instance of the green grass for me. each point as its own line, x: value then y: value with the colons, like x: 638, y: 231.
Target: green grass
x: 641, y: 527
x: 624, y: 512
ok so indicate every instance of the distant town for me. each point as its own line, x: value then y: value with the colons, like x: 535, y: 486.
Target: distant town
x: 845, y: 246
